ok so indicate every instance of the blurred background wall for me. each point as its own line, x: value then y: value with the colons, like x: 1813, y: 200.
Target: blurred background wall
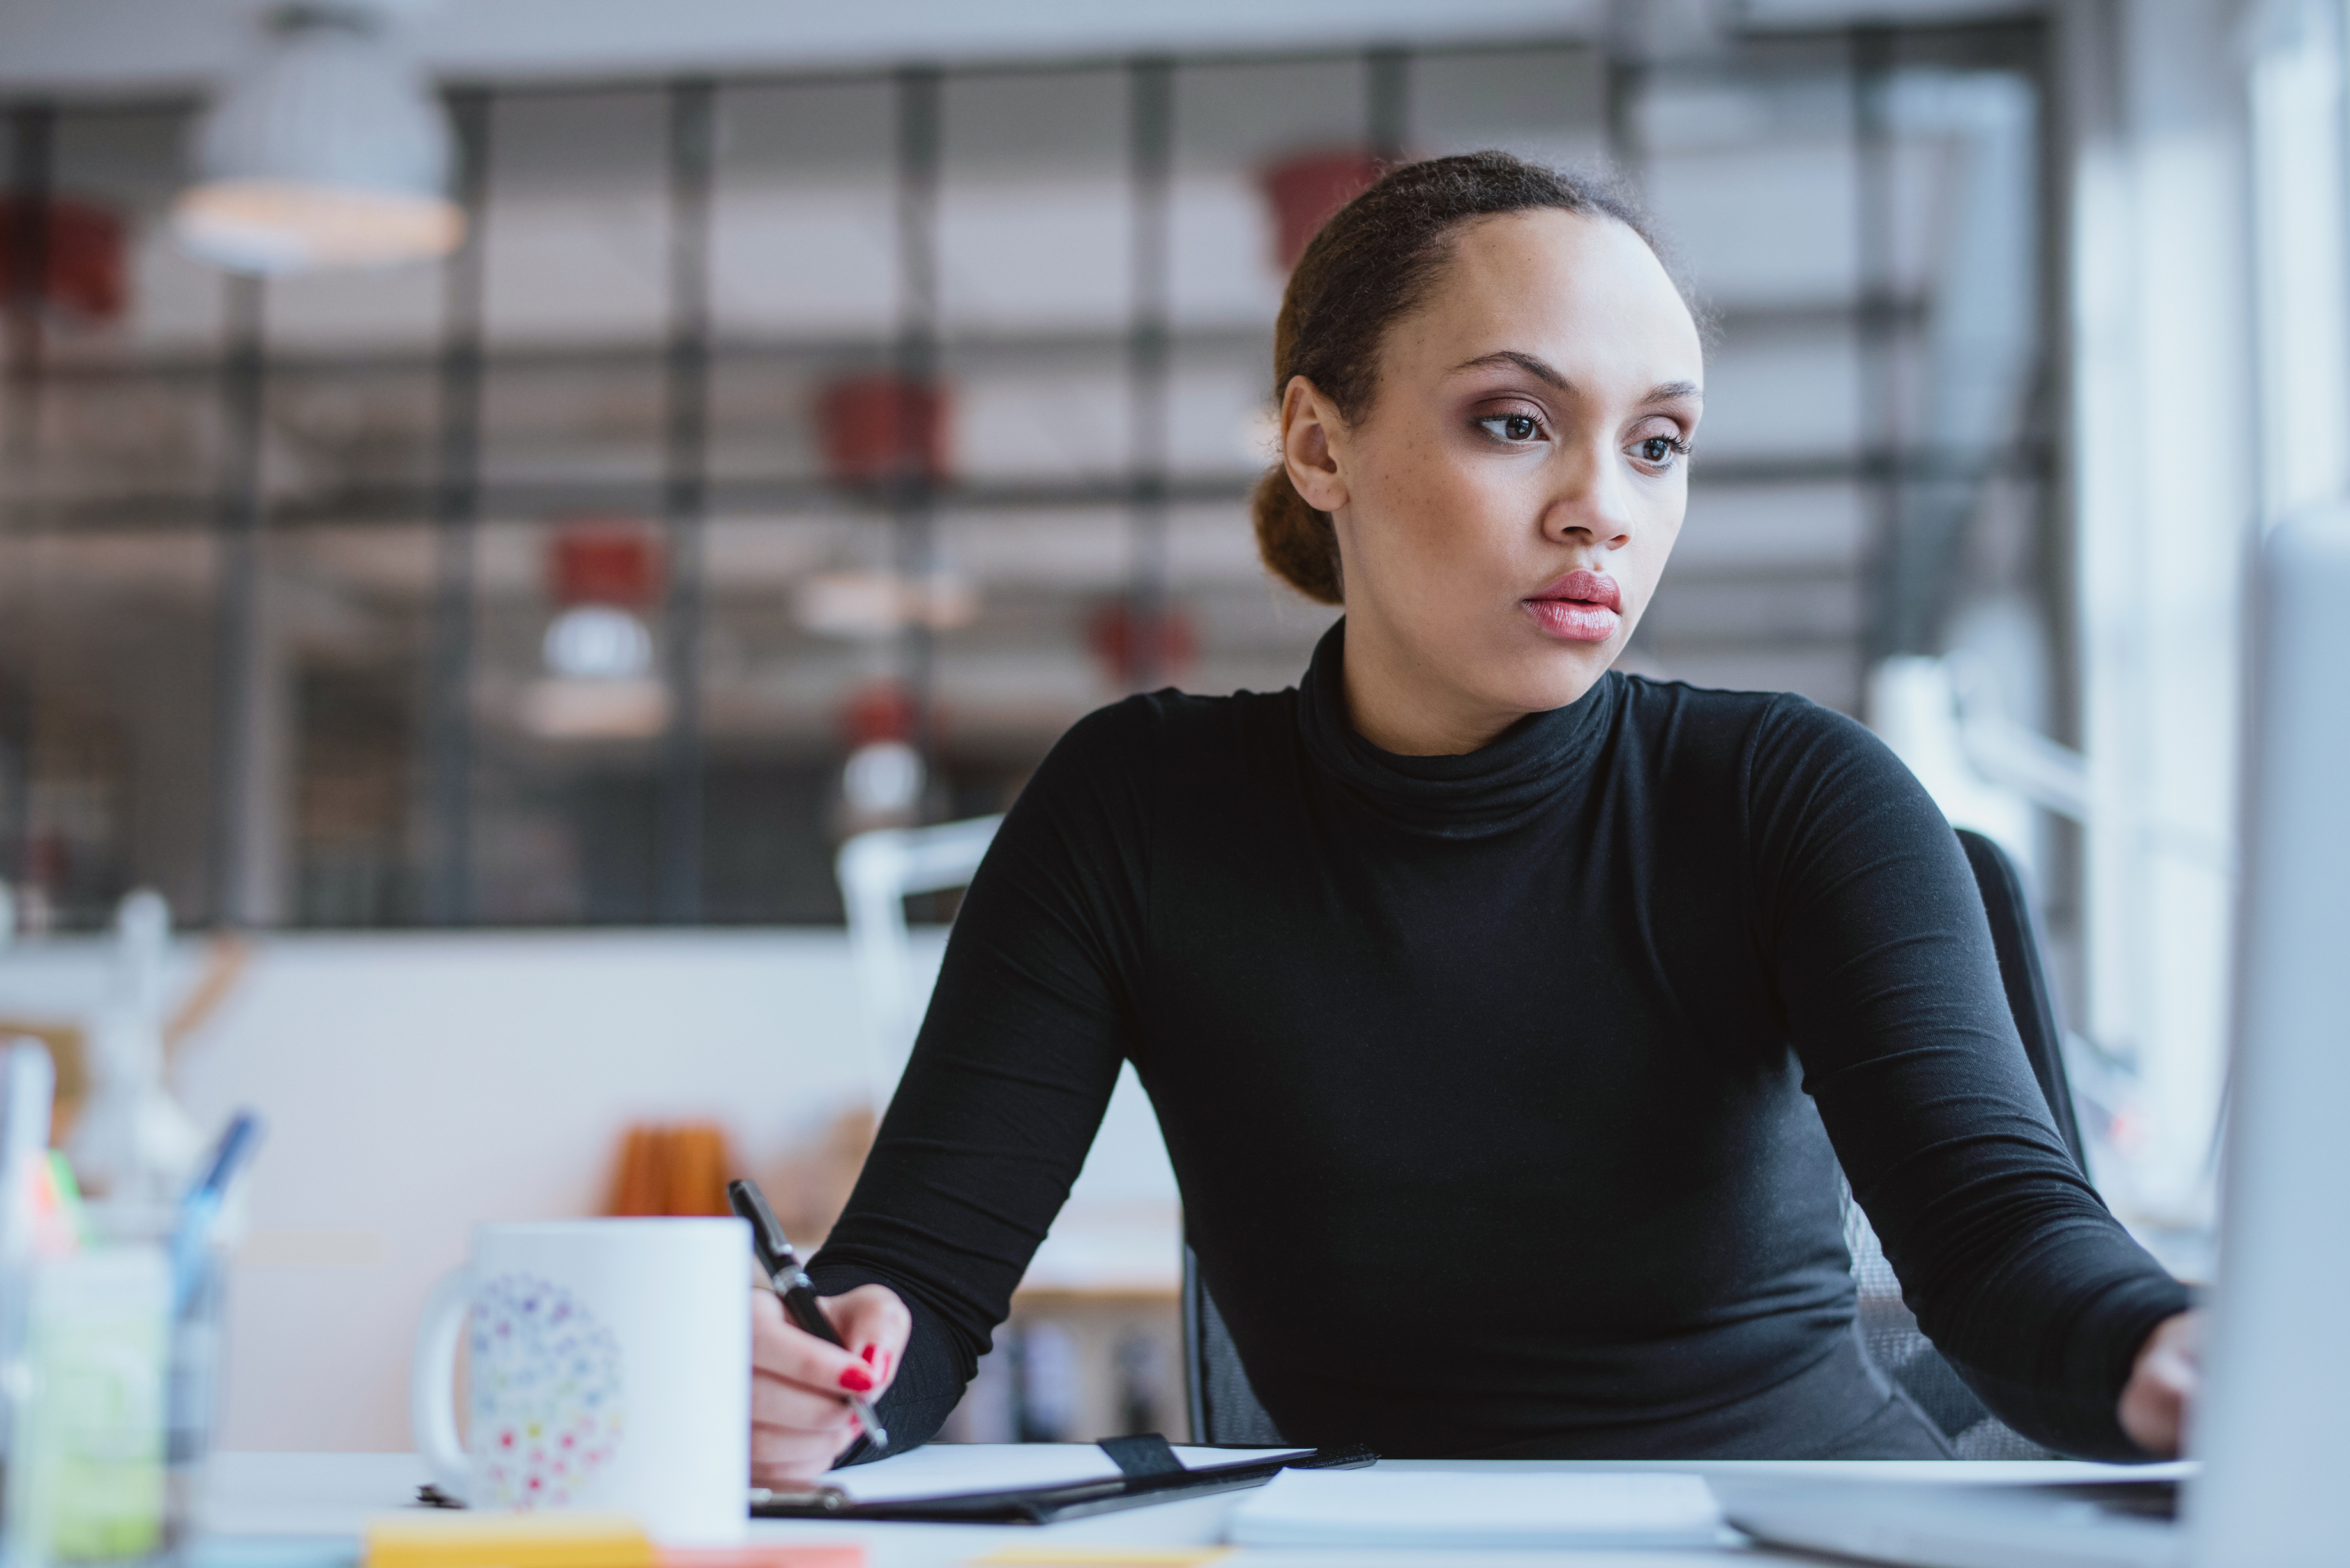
x: 825, y: 407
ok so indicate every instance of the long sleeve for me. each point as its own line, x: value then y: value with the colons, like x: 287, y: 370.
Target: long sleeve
x: 1010, y: 1073
x: 1883, y: 961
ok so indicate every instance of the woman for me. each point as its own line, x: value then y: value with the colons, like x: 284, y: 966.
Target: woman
x: 1559, y: 993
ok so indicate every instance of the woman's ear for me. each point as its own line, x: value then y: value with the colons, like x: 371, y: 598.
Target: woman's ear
x: 1311, y: 434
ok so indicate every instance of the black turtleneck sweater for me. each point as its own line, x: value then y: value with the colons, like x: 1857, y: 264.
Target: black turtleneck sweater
x: 1507, y: 1091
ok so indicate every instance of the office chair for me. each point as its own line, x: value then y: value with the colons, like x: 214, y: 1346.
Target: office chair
x: 1223, y: 1405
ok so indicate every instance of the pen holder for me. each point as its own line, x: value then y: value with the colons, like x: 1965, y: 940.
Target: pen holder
x: 115, y: 1421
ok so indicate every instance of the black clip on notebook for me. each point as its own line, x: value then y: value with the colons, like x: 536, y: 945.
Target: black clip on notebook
x: 1149, y: 1473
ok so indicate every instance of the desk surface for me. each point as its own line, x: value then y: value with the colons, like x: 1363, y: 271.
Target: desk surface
x: 333, y: 1495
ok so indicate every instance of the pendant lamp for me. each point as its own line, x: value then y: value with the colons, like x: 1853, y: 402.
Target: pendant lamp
x: 327, y: 149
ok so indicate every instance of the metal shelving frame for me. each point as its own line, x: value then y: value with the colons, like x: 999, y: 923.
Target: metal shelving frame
x: 464, y: 488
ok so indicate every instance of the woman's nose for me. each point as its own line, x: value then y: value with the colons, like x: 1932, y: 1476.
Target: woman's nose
x: 1591, y: 501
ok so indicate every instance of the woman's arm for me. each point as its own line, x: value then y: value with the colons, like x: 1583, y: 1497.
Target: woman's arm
x: 1012, y: 1070
x: 1891, y: 994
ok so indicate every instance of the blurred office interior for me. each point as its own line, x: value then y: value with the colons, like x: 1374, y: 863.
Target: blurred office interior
x: 485, y: 654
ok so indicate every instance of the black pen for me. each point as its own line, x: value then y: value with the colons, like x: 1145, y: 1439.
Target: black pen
x: 792, y: 1283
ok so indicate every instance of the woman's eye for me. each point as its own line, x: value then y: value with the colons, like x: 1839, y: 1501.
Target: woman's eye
x: 1512, y: 426
x: 1660, y: 449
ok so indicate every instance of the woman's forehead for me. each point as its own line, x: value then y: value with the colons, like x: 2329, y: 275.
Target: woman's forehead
x: 1568, y: 280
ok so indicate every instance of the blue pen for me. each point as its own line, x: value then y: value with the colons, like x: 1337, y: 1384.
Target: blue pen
x: 200, y: 1210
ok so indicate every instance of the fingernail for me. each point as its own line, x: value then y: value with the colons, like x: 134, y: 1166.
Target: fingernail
x: 871, y: 1353
x: 856, y: 1380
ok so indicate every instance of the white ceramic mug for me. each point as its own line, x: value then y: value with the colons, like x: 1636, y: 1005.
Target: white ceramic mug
x: 611, y: 1369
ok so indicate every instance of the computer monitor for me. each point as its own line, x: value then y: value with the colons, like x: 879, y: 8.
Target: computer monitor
x: 2274, y: 1425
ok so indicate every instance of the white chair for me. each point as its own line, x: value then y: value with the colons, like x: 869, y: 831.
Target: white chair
x: 877, y: 870
x: 1121, y: 1229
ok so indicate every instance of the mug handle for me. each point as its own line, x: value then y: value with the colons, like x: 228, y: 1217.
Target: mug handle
x: 432, y: 1387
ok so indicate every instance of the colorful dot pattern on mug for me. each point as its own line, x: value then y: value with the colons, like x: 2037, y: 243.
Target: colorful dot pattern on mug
x: 545, y: 1393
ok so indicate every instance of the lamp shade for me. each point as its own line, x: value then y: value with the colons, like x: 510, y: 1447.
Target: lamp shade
x: 328, y: 150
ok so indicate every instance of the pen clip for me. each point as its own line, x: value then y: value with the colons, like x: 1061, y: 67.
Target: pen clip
x: 767, y: 1238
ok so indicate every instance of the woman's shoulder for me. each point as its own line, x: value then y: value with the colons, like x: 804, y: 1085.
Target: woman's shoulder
x: 1763, y: 737
x: 1156, y: 725
x: 1142, y: 744
x: 1798, y: 775
x: 1686, y: 709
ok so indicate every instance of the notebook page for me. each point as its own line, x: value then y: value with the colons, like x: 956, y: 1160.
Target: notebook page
x: 1443, y: 1508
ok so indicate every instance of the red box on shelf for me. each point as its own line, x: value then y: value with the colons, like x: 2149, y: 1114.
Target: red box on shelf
x: 85, y: 269
x: 1306, y: 190
x: 878, y: 427
x: 605, y: 564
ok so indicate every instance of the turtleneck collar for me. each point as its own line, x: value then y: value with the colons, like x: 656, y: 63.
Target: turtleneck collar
x: 1490, y: 790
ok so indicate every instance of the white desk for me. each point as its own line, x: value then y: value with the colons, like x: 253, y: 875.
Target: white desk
x: 293, y: 1496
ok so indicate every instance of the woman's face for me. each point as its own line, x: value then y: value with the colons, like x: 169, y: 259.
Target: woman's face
x: 1504, y: 507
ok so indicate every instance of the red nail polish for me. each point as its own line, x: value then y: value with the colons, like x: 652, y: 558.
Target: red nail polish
x: 856, y: 1380
x: 871, y: 1353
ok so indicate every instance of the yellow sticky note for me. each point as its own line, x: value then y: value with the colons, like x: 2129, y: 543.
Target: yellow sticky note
x: 507, y: 1540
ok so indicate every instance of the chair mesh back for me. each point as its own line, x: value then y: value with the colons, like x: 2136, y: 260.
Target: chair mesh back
x: 1891, y: 1338
x: 1224, y: 1408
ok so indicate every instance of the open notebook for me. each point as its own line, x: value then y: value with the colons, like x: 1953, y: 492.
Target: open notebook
x: 947, y: 1469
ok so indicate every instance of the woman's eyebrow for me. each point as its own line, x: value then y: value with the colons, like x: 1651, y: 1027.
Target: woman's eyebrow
x: 1540, y: 368
x: 1532, y: 366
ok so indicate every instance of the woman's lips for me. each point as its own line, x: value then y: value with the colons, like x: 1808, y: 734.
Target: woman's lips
x: 1582, y: 606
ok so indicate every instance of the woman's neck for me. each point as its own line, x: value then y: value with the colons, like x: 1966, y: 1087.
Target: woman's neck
x: 1404, y: 705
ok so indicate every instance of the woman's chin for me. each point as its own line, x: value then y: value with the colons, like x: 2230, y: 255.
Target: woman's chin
x: 1559, y: 672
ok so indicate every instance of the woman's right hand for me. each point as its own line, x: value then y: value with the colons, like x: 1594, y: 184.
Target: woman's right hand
x: 799, y: 1422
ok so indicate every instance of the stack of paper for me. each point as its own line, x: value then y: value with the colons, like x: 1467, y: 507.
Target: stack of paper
x: 1534, y: 1508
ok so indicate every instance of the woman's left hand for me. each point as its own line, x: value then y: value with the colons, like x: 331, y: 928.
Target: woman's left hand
x: 2163, y: 1384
